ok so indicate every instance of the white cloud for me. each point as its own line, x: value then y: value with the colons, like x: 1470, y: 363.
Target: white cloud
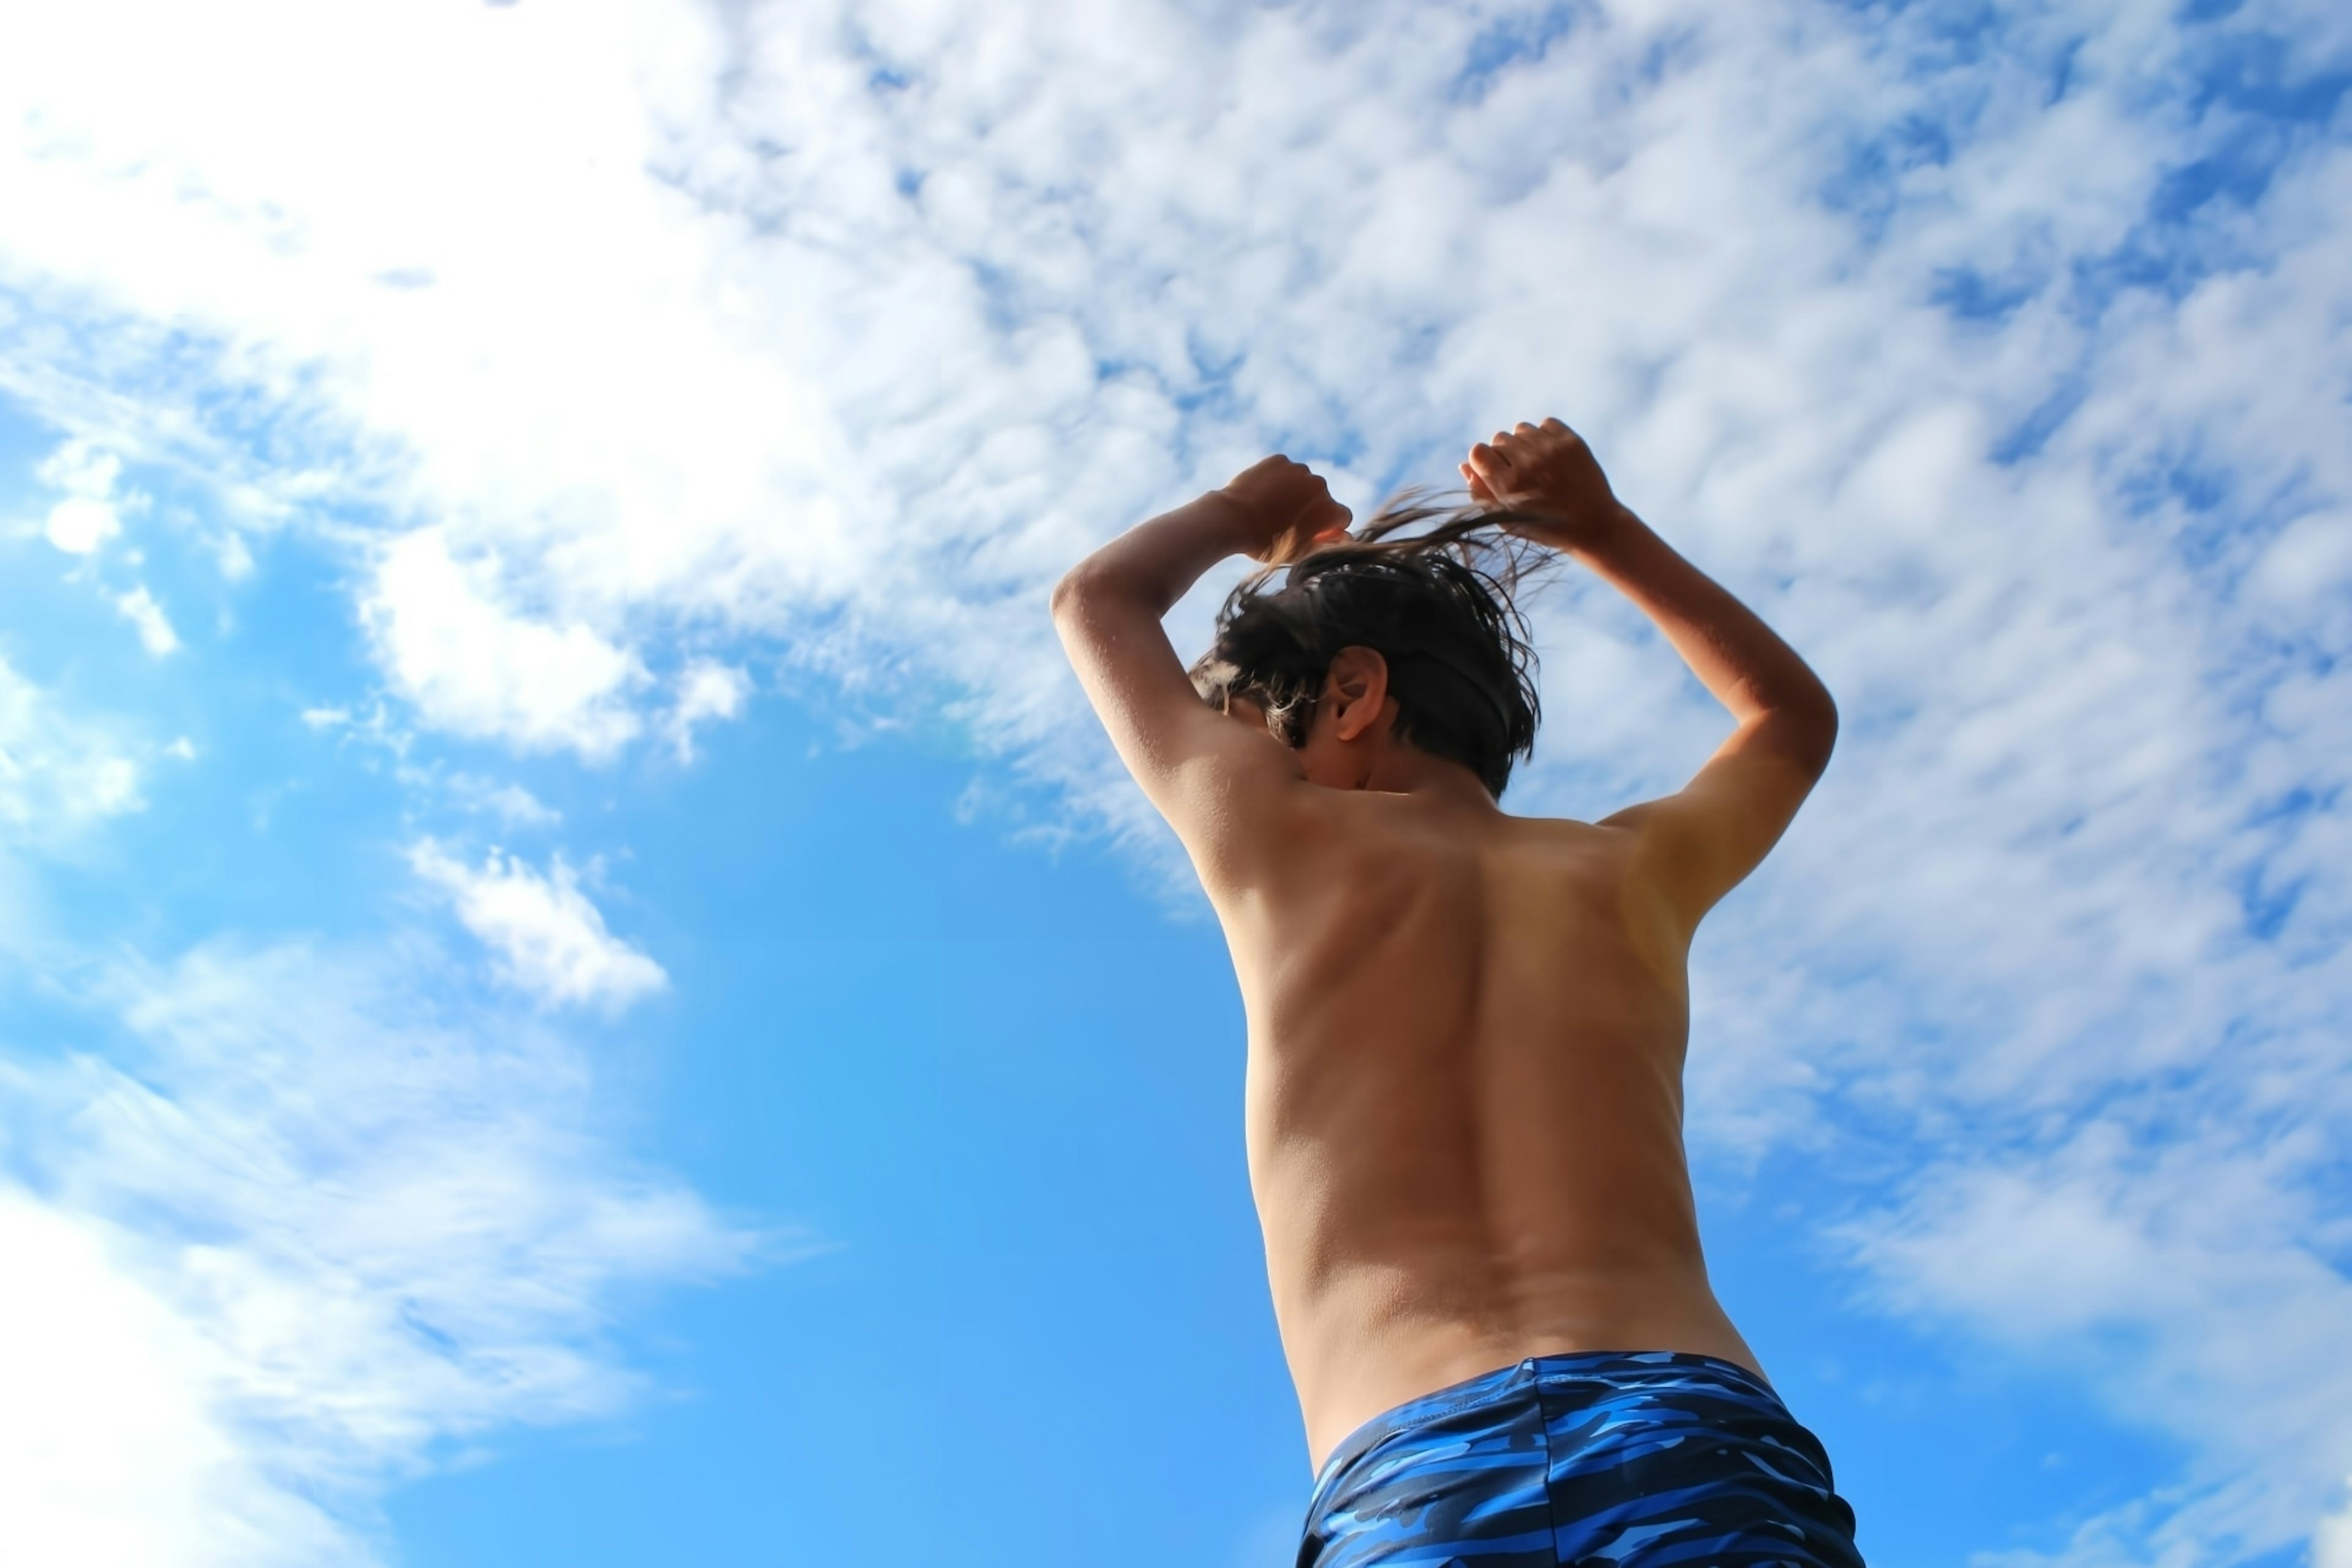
x: 849, y: 327
x: 326, y: 1229
x: 155, y: 635
x: 551, y: 940
x: 128, y: 1463
x: 2331, y: 1546
x: 478, y: 669
x: 2173, y: 1279
x: 79, y: 524
x: 235, y: 557
x: 57, y: 773
x: 509, y: 803
x: 88, y: 514
x: 707, y: 690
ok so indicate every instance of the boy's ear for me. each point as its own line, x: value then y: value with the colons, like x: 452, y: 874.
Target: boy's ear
x: 1357, y: 690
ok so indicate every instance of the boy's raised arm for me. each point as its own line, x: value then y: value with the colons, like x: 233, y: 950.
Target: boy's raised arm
x: 1720, y: 825
x: 1196, y: 765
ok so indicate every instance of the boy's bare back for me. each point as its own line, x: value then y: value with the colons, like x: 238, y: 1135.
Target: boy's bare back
x: 1466, y: 1029
x: 1464, y: 1098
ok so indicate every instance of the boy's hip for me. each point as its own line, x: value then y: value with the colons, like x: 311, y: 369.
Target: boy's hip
x: 1624, y: 1458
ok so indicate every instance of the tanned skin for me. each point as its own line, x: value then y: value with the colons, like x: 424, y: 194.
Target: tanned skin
x: 1466, y: 1030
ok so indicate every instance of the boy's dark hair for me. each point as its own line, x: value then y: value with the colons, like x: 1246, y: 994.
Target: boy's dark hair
x: 1436, y: 604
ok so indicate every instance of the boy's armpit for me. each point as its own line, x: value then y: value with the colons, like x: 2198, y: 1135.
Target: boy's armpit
x: 1214, y: 778
x: 1701, y: 842
x: 1230, y: 801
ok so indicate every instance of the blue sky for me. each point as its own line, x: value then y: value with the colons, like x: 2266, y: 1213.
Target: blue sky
x: 577, y: 984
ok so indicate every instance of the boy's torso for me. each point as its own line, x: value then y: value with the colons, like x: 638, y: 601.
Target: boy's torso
x: 1464, y: 1100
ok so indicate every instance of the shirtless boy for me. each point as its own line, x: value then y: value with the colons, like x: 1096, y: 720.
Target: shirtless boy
x: 1466, y: 1029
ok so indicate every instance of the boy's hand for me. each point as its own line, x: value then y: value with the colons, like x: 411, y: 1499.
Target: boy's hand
x: 1283, y: 507
x: 1548, y: 470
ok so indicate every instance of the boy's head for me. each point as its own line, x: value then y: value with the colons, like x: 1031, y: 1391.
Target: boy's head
x: 1435, y: 604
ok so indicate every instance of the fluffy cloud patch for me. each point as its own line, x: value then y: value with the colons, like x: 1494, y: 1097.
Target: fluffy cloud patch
x: 512, y: 803
x: 323, y: 1228
x: 2181, y: 1280
x: 706, y: 690
x: 2332, y: 1546
x: 477, y: 667
x: 155, y: 634
x: 133, y: 1462
x: 88, y: 514
x: 550, y: 939
x: 79, y: 524
x: 55, y: 772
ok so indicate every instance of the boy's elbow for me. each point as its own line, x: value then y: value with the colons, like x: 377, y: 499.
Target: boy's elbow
x: 1801, y: 729
x: 1070, y: 590
x: 1816, y: 734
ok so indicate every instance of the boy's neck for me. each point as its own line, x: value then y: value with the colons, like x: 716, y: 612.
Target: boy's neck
x: 1401, y: 768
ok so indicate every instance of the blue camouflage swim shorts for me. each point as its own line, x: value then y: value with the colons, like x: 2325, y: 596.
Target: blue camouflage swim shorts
x: 1628, y: 1459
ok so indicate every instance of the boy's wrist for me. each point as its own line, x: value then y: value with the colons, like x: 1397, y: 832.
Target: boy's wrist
x: 1224, y: 515
x: 1595, y: 530
x: 1266, y: 534
x: 1227, y: 523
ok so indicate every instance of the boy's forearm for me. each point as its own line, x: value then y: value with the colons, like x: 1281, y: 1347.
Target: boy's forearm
x: 1734, y: 654
x: 1157, y: 560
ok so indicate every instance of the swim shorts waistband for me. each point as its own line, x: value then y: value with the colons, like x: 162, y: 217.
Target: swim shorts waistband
x: 1636, y: 1458
x: 1504, y: 1380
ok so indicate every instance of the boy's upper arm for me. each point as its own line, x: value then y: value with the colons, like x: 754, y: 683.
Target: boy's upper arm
x: 1214, y: 778
x: 1702, y: 842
